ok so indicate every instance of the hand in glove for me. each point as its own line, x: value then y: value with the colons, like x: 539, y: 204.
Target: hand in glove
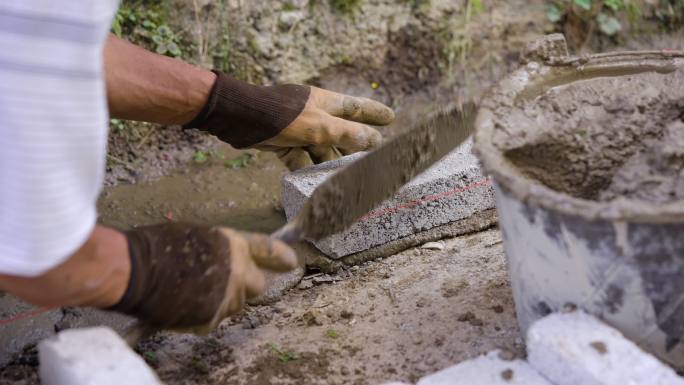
x: 301, y: 124
x: 191, y: 277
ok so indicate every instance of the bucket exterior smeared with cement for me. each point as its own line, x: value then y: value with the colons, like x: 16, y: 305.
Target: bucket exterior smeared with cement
x: 613, y: 261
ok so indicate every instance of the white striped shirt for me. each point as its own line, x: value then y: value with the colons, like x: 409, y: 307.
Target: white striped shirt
x: 53, y: 128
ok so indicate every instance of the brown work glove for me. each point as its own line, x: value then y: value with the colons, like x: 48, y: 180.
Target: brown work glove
x: 190, y: 277
x: 301, y: 124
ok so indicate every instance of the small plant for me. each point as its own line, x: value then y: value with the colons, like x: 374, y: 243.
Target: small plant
x: 147, y: 25
x: 457, y: 37
x: 283, y: 355
x: 288, y: 6
x: 200, y: 157
x: 332, y: 333
x: 213, y: 343
x: 415, y: 4
x: 240, y: 162
x: 199, y: 365
x: 600, y: 13
x: 151, y: 358
x: 345, y: 6
x: 117, y: 124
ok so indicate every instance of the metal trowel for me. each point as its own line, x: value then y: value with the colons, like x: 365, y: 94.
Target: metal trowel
x: 361, y: 186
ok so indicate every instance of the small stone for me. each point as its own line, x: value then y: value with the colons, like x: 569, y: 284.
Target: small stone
x: 599, y: 347
x: 433, y: 246
x: 305, y: 285
x: 346, y: 314
x: 323, y: 279
x: 507, y: 374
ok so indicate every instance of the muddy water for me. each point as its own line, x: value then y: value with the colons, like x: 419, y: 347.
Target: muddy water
x: 244, y: 198
x: 602, y: 139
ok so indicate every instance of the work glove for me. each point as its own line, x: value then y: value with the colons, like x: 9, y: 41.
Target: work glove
x: 190, y: 277
x: 301, y: 124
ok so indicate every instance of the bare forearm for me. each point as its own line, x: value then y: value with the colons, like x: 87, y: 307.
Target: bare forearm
x: 144, y: 86
x: 97, y: 275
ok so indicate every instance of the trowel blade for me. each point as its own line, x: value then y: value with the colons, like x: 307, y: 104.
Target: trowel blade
x: 360, y: 187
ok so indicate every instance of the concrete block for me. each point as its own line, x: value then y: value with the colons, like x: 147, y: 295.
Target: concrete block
x: 22, y: 325
x: 92, y: 356
x: 576, y: 348
x: 487, y: 370
x: 449, y: 191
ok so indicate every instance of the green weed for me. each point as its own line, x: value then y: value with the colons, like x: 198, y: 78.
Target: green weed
x: 151, y: 358
x: 608, y: 16
x: 146, y: 25
x: 332, y: 333
x: 240, y: 162
x: 200, y: 157
x: 199, y: 365
x: 283, y: 355
x: 345, y: 6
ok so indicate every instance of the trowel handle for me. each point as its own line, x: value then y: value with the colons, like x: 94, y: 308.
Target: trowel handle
x: 290, y: 233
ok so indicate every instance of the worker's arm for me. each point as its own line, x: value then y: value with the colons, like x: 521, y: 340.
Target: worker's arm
x: 142, y: 85
x: 169, y: 276
x: 95, y: 275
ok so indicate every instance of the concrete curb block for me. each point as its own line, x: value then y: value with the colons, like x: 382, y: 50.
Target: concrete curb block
x: 23, y: 325
x: 449, y: 191
x: 92, y: 356
x: 576, y: 348
x: 487, y: 370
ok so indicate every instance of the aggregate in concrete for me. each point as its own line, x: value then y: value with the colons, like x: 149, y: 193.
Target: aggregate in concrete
x: 576, y: 348
x: 92, y: 356
x: 451, y: 190
x: 488, y: 369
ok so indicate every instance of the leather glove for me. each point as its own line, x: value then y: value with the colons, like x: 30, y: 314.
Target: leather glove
x: 191, y: 277
x: 301, y: 124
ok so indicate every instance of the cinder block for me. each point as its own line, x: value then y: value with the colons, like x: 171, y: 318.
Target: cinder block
x: 451, y: 190
x: 487, y: 370
x: 92, y: 356
x: 576, y: 348
x: 23, y: 325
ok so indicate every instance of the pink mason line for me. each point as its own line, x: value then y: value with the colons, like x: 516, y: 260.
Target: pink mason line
x: 21, y: 316
x: 427, y: 198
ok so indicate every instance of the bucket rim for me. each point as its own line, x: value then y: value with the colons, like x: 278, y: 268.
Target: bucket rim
x: 536, y: 78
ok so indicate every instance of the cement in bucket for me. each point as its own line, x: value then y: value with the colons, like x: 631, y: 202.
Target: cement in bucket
x: 587, y: 154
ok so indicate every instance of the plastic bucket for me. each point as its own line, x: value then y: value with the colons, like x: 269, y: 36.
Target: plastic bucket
x: 621, y: 260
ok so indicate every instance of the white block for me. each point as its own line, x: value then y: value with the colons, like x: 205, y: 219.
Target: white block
x: 486, y: 370
x: 576, y: 348
x: 92, y: 356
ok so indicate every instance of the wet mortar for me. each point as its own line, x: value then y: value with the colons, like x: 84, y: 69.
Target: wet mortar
x: 579, y: 139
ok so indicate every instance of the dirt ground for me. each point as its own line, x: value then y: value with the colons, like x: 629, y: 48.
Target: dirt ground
x: 399, y: 318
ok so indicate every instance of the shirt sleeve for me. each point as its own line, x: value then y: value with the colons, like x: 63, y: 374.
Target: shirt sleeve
x: 53, y: 128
